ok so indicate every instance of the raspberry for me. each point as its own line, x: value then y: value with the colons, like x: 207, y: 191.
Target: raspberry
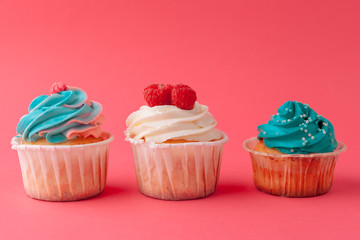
x: 158, y: 94
x: 183, y: 97
x: 57, y: 87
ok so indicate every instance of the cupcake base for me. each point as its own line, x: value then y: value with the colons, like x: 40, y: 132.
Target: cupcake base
x: 63, y: 173
x: 290, y: 177
x: 180, y: 171
x: 293, y: 175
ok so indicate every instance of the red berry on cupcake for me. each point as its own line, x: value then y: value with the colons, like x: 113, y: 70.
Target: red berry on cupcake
x: 158, y: 94
x: 183, y: 97
x: 180, y: 95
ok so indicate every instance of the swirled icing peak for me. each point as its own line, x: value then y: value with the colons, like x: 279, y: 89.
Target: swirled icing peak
x: 61, y: 116
x: 167, y: 122
x: 57, y: 87
x: 298, y: 129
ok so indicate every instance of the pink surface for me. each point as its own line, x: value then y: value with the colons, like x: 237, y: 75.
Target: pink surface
x: 244, y: 59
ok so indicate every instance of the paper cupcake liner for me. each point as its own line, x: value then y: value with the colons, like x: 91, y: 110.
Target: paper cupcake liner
x: 63, y: 173
x: 178, y: 171
x: 298, y: 175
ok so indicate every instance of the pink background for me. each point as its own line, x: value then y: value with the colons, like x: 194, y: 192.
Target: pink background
x: 244, y: 59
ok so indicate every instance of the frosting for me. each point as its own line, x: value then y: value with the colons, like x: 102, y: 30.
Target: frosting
x: 61, y: 116
x: 57, y: 87
x: 161, y: 123
x: 298, y: 129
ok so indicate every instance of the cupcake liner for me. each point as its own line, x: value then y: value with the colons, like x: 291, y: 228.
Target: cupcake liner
x: 297, y: 175
x: 63, y: 172
x: 178, y: 171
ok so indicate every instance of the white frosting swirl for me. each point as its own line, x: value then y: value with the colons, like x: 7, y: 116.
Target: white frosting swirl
x: 161, y: 123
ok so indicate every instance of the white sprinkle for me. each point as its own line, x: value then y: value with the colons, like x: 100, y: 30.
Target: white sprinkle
x: 277, y: 120
x: 309, y: 134
x: 264, y: 132
x: 324, y: 132
x: 301, y: 129
x: 277, y: 133
x: 292, y: 150
x: 305, y: 130
x: 330, y: 134
x: 286, y: 109
x: 332, y: 140
x: 289, y: 120
x: 307, y: 121
x: 312, y: 137
x: 304, y: 115
x: 290, y: 110
x: 304, y: 143
x: 303, y: 139
x: 325, y: 124
x: 301, y: 116
x: 319, y: 129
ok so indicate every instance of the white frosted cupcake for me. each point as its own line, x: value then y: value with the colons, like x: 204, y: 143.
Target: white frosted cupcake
x: 62, y: 150
x: 176, y: 147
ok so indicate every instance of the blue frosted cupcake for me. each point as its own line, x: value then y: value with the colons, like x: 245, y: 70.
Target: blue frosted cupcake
x: 62, y: 149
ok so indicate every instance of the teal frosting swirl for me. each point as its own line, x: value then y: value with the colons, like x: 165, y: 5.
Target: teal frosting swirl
x: 54, y: 117
x: 298, y: 129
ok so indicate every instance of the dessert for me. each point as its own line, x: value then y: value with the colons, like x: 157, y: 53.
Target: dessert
x: 63, y: 152
x: 176, y: 147
x: 295, y: 153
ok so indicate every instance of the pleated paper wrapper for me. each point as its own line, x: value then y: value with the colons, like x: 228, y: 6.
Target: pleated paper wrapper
x: 298, y: 175
x: 178, y: 171
x: 63, y: 173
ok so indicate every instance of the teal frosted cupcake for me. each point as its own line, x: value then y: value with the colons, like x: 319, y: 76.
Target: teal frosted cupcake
x: 295, y: 152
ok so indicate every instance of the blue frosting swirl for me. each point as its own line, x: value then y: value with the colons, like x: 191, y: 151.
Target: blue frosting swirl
x: 298, y: 129
x: 52, y: 117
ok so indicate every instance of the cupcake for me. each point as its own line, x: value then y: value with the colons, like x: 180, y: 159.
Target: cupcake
x: 176, y: 147
x: 295, y: 153
x: 63, y: 152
